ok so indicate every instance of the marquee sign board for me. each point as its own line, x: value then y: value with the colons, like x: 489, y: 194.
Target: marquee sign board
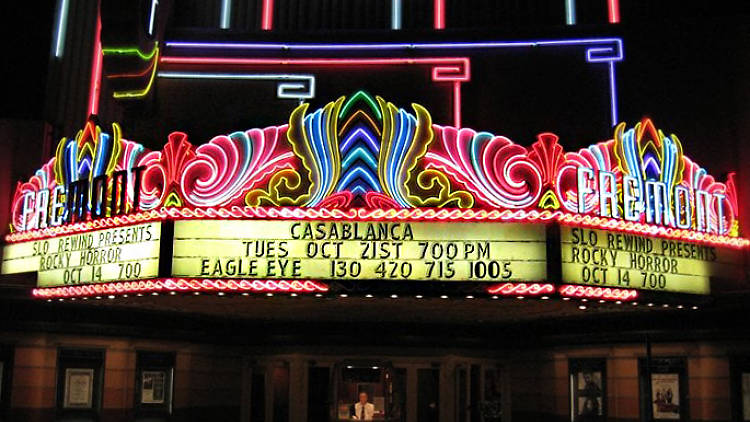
x: 361, y: 188
x: 623, y: 260
x: 121, y: 253
x: 330, y: 250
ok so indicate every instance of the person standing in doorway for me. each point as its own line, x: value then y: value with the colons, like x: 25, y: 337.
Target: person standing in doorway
x: 363, y: 411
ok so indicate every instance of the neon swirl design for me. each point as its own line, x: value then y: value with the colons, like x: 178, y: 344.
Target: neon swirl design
x: 222, y: 170
x: 181, y: 285
x: 493, y: 168
x: 516, y: 289
x: 383, y: 162
x: 606, y: 293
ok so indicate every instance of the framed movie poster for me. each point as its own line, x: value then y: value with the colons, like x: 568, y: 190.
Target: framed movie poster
x: 665, y: 396
x: 664, y: 389
x: 588, y: 389
x: 79, y: 388
x: 153, y: 384
x: 740, y: 382
x: 153, y: 387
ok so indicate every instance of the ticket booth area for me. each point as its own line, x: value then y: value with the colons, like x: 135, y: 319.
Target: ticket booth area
x: 395, y: 389
x: 368, y: 383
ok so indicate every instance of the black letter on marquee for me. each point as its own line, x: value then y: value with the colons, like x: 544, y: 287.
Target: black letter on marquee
x: 119, y: 185
x: 78, y: 193
x: 99, y: 197
x: 137, y: 187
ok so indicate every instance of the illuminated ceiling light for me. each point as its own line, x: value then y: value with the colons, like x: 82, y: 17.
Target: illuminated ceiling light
x: 566, y: 298
x: 680, y: 306
x: 419, y: 296
x: 635, y: 303
x: 519, y: 297
x: 221, y: 293
x: 269, y: 294
x: 72, y: 298
x: 293, y: 295
x: 172, y: 293
x: 666, y: 305
x: 85, y: 298
x: 318, y: 295
x: 122, y: 296
x: 619, y: 302
x: 694, y: 308
x: 98, y: 297
x: 245, y: 294
x: 61, y: 300
x: 343, y: 295
x: 49, y: 300
x: 582, y: 307
x: 195, y: 293
x: 650, y: 304
x: 470, y: 297
x: 601, y: 301
x: 495, y: 297
x: 368, y: 295
x: 443, y: 297
x: 545, y: 297
x: 375, y: 367
x: 110, y: 297
x: 584, y: 300
x: 394, y: 296
x: 349, y: 367
x: 155, y: 294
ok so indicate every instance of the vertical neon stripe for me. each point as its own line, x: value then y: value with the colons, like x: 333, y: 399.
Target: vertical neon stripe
x: 226, y: 13
x: 96, y: 67
x: 267, y: 18
x: 457, y: 104
x: 62, y: 23
x: 152, y: 17
x: 613, y: 7
x: 396, y: 14
x: 613, y: 92
x: 570, y: 12
x: 439, y: 14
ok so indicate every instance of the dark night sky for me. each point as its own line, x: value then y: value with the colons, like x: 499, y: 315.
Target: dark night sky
x: 683, y: 71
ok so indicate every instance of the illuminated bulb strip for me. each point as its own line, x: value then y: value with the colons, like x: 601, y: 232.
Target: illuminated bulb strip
x: 365, y: 214
x: 62, y: 23
x: 606, y: 293
x: 515, y: 289
x: 181, y: 285
x: 152, y: 17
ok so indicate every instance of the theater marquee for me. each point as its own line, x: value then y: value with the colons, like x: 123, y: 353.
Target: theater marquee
x: 330, y: 250
x: 362, y: 189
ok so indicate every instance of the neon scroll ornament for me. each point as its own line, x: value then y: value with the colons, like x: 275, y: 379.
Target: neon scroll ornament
x: 361, y: 152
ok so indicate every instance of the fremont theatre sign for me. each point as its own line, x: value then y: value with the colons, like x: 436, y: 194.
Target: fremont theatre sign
x: 364, y: 190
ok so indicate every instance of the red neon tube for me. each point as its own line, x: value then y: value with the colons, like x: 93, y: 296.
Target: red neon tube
x: 439, y: 19
x: 267, y: 21
x: 613, y: 7
x: 96, y: 68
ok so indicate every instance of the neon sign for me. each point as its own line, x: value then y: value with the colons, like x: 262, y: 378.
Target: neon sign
x: 363, y: 152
